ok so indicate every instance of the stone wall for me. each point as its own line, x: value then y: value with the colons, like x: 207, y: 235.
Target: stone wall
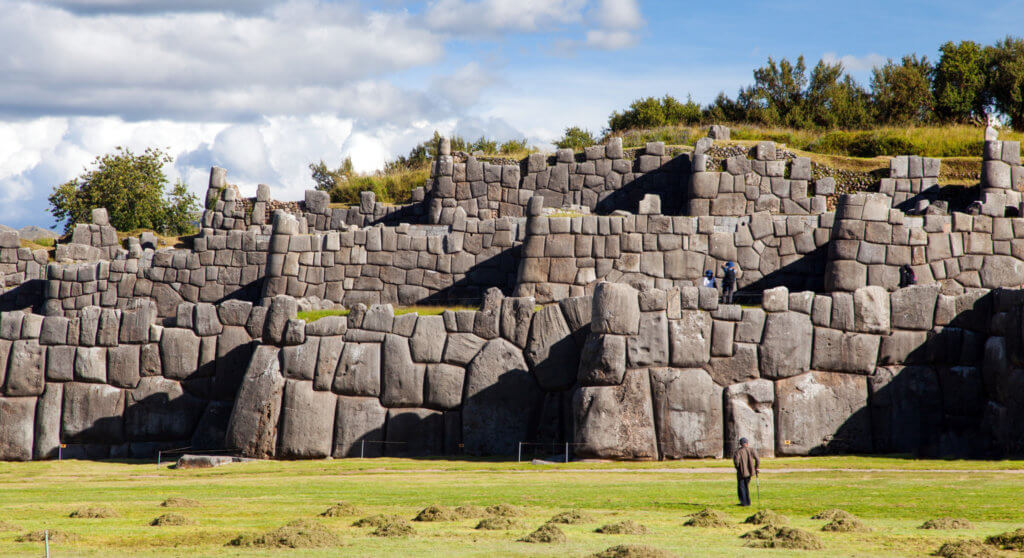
x: 21, y: 273
x: 567, y: 256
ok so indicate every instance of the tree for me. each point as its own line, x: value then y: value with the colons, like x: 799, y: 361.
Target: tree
x: 649, y: 112
x: 777, y: 95
x: 959, y: 84
x: 576, y: 138
x: 131, y: 187
x: 326, y: 179
x: 834, y: 100
x: 902, y: 92
x: 1006, y: 81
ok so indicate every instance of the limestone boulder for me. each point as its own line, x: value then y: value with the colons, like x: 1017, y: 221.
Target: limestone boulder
x: 749, y: 413
x: 402, y: 378
x: 913, y: 307
x: 123, y: 366
x: 650, y: 347
x: 179, y: 353
x: 786, y: 349
x: 999, y: 271
x: 91, y: 364
x: 443, y: 386
x: 871, y: 310
x: 47, y: 427
x: 603, y: 360
x: 158, y: 409
x: 17, y: 428
x: 740, y: 367
x: 359, y: 427
x: 298, y: 362
x: 516, y: 314
x: 282, y: 308
x: 616, y: 422
x: 92, y: 413
x: 307, y: 421
x: 253, y: 425
x: 615, y: 309
x: 26, y: 368
x: 234, y: 350
x: 551, y: 350
x: 358, y: 370
x: 501, y: 400
x: 838, y: 351
x: 462, y: 348
x: 822, y: 412
x: 427, y: 341
x: 687, y: 412
x: 690, y: 339
x: 327, y: 362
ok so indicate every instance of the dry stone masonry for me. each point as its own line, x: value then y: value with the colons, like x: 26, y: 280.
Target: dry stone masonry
x: 590, y: 326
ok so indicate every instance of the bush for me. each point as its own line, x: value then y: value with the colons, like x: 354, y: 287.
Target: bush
x: 576, y: 138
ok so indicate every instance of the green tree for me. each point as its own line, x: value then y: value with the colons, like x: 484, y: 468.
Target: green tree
x: 959, y: 83
x: 834, y: 100
x: 777, y: 95
x: 650, y: 112
x: 326, y: 179
x: 1006, y: 79
x: 576, y: 138
x: 131, y: 187
x: 902, y: 92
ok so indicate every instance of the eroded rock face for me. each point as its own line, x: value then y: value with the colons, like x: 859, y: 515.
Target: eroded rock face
x: 749, y: 414
x: 786, y: 350
x: 616, y: 422
x: 906, y: 409
x: 17, y: 423
x: 687, y: 412
x: 253, y: 426
x: 158, y: 409
x: 822, y: 412
x: 501, y: 400
x: 307, y: 421
x: 359, y: 425
x: 551, y: 350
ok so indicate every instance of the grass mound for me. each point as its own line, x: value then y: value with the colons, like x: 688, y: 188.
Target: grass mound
x: 8, y: 526
x: 771, y: 536
x: 767, y: 517
x: 302, y: 533
x: 964, y: 549
x: 546, y: 533
x: 571, y: 517
x: 399, y: 528
x: 707, y: 517
x: 496, y: 524
x: 93, y: 512
x: 627, y: 527
x: 340, y: 509
x: 436, y: 513
x: 180, y: 503
x: 846, y: 525
x: 467, y: 512
x: 376, y: 520
x: 505, y: 510
x: 633, y: 551
x: 947, y: 523
x: 40, y: 536
x: 1011, y: 540
x: 172, y: 519
x: 833, y: 514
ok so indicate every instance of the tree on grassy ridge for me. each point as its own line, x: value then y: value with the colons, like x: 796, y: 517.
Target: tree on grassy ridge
x: 649, y: 112
x: 834, y: 100
x: 132, y: 189
x: 959, y: 82
x: 1006, y: 79
x: 576, y: 138
x: 777, y: 96
x: 902, y: 92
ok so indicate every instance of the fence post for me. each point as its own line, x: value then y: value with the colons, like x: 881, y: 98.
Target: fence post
x: 519, y: 456
x: 159, y: 455
x: 46, y: 535
x: 567, y: 452
x: 362, y: 448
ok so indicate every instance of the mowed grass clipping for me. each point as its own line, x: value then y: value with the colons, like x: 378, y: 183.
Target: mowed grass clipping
x: 250, y: 500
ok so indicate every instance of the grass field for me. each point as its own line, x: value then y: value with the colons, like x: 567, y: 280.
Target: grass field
x: 893, y: 496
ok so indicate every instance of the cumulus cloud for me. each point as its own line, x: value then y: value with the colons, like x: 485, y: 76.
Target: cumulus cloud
x: 151, y: 6
x: 468, y: 17
x: 611, y: 25
x: 855, y: 64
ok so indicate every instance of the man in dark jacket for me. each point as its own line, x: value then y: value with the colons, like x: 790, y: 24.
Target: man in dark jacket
x: 747, y: 465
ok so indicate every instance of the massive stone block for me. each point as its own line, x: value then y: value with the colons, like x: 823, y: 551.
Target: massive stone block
x: 616, y: 422
x: 92, y: 413
x: 234, y: 350
x: 749, y: 414
x: 913, y: 307
x: 47, y: 436
x: 871, y: 309
x: 551, y: 350
x: 253, y: 426
x: 403, y: 379
x: 906, y: 409
x: 91, y: 364
x: 307, y: 421
x: 443, y: 386
x: 687, y: 412
x: 123, y: 366
x: 414, y: 432
x: 427, y: 341
x: 26, y: 367
x: 650, y: 346
x: 158, y: 409
x: 786, y: 349
x: 17, y: 428
x: 822, y: 412
x: 501, y: 399
x: 616, y: 309
x: 358, y: 427
x: 603, y: 360
x: 179, y: 353
x: 358, y: 370
x: 690, y: 339
x: 838, y: 351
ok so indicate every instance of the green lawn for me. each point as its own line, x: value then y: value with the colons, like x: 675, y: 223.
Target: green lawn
x: 256, y: 497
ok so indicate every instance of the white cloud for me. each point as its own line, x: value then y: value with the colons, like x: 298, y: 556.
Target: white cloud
x: 618, y: 14
x: 464, y: 87
x: 606, y: 39
x: 150, y: 6
x: 484, y: 17
x: 855, y: 64
x: 612, y: 25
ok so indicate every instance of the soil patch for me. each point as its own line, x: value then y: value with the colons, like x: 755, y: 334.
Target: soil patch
x: 376, y: 520
x: 846, y: 525
x: 947, y: 523
x: 302, y: 533
x: 767, y: 517
x: 180, y: 503
x: 571, y: 517
x: 965, y: 549
x: 833, y: 514
x: 633, y: 551
x: 546, y: 533
x: 627, y: 527
x: 40, y: 536
x: 505, y: 510
x: 496, y: 524
x: 436, y: 513
x: 172, y: 519
x: 93, y: 512
x: 341, y: 509
x: 1011, y: 540
x: 400, y: 528
x: 707, y: 517
x: 771, y: 536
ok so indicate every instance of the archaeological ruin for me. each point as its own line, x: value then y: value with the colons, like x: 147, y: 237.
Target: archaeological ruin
x: 590, y: 327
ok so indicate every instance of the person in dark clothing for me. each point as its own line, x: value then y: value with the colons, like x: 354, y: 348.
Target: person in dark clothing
x: 728, y: 282
x: 747, y: 465
x: 907, y: 276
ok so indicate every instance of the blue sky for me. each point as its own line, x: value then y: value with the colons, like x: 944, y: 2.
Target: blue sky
x: 263, y: 87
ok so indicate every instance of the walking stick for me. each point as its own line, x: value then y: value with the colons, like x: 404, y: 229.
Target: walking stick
x: 757, y: 480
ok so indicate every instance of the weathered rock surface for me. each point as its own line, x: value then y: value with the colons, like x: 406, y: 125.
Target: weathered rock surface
x: 359, y: 427
x: 253, y: 426
x: 551, y: 350
x: 687, y: 412
x: 307, y: 421
x: 786, y: 350
x: 749, y: 414
x: 822, y: 412
x: 501, y: 398
x: 616, y: 422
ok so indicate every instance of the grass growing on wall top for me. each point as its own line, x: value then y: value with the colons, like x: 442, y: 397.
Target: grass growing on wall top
x: 425, y: 310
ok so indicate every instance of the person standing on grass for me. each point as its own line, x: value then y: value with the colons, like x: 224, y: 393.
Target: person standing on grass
x: 728, y: 282
x: 747, y: 465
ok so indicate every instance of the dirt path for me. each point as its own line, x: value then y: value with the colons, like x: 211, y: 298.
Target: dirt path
x: 697, y: 470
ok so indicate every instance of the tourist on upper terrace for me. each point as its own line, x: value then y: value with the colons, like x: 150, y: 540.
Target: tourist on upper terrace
x: 728, y: 282
x: 709, y: 279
